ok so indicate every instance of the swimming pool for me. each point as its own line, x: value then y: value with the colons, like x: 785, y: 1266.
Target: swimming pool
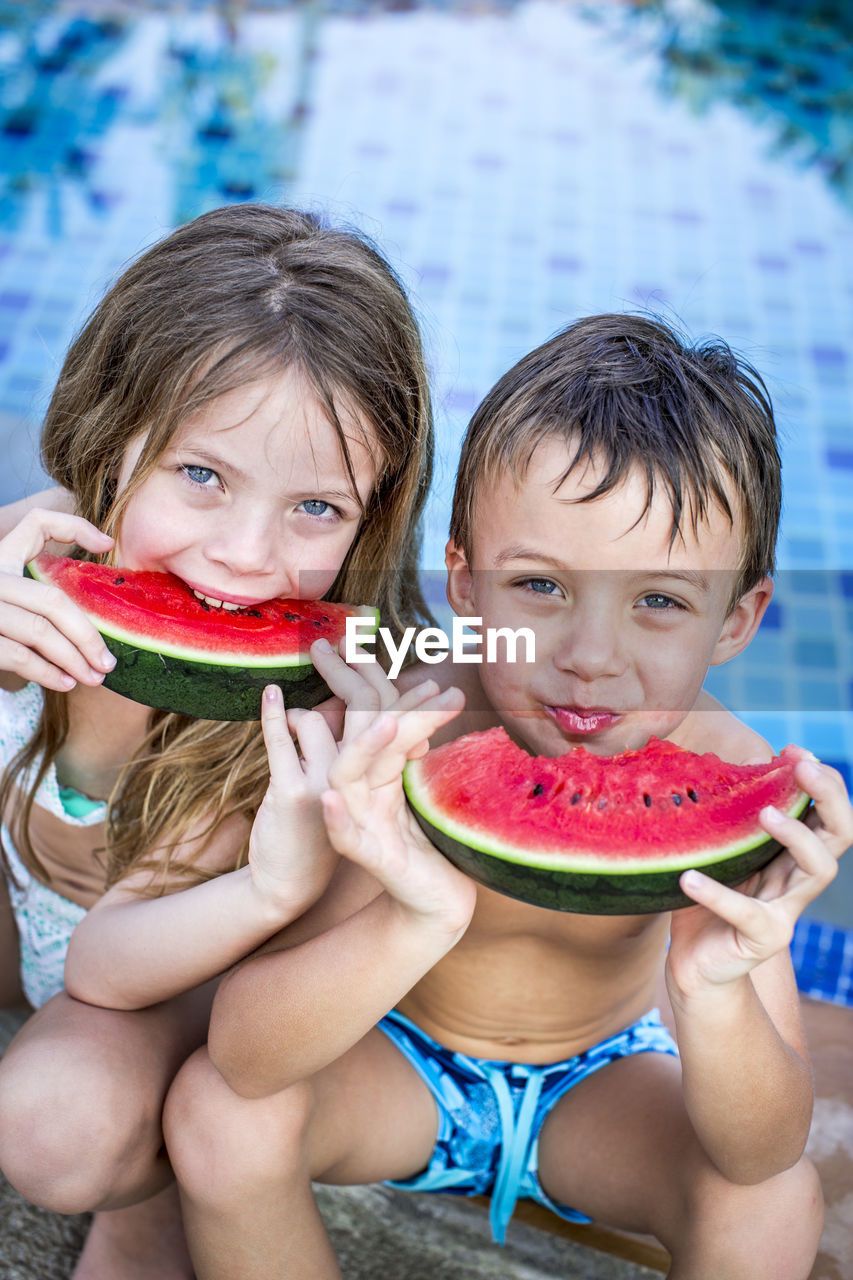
x: 521, y: 164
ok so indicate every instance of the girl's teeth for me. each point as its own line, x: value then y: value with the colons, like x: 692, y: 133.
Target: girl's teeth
x: 216, y: 604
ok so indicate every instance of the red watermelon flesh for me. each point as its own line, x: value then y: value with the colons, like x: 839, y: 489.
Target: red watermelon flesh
x: 595, y: 833
x: 178, y: 653
x: 128, y: 604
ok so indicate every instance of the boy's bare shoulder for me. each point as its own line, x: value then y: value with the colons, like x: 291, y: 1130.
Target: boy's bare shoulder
x: 711, y: 727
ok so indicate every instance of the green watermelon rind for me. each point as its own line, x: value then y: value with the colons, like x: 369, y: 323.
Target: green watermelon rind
x: 207, y: 690
x: 587, y: 884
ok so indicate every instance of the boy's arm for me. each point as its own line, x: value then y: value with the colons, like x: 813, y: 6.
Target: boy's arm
x: 747, y: 1082
x: 283, y: 1015
x: 132, y: 951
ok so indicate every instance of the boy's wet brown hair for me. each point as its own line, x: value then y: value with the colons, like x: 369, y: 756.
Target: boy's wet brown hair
x: 242, y: 293
x: 629, y: 391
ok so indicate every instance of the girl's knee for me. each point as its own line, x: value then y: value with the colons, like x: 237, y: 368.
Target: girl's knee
x: 68, y: 1135
x: 219, y: 1142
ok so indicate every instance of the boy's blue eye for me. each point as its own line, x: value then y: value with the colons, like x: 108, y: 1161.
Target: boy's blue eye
x: 655, y: 600
x: 199, y: 475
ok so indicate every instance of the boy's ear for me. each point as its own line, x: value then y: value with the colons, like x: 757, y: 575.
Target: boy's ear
x: 742, y: 623
x: 460, y: 581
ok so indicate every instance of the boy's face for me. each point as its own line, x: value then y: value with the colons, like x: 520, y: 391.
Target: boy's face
x: 626, y: 627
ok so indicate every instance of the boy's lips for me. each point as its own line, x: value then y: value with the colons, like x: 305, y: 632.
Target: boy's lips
x: 590, y: 720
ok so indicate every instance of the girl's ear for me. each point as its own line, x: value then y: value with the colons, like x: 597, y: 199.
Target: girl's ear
x: 460, y: 581
x: 742, y: 623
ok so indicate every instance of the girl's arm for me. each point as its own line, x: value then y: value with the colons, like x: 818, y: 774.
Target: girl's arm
x: 747, y: 1083
x: 132, y: 950
x: 283, y: 1015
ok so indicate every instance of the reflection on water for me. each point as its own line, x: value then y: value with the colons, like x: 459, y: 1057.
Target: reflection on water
x: 522, y: 163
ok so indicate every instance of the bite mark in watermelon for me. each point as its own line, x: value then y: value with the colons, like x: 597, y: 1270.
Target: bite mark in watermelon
x: 177, y: 653
x: 600, y: 835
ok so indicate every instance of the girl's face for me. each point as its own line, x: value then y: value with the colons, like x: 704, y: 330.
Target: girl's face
x: 251, y: 499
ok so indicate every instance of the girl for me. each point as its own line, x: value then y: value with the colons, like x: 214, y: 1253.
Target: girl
x: 247, y: 408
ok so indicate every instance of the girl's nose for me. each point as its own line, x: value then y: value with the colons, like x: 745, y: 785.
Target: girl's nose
x: 246, y: 545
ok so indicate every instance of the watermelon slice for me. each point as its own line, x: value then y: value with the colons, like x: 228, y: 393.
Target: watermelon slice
x: 178, y: 653
x: 602, y: 835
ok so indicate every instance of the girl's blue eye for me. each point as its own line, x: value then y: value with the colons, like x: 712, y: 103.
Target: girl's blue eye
x: 200, y: 475
x: 316, y: 507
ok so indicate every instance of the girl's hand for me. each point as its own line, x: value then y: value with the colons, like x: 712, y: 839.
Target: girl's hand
x: 290, y: 857
x: 730, y: 931
x: 44, y: 636
x: 368, y: 821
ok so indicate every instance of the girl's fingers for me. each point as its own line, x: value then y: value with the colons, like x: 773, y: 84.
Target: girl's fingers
x: 40, y: 526
x: 49, y: 628
x: 316, y: 743
x: 281, y: 752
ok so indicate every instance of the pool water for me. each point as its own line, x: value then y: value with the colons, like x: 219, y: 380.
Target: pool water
x: 521, y: 164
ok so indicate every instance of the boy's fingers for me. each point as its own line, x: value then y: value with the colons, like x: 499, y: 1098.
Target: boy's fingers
x: 355, y: 758
x: 759, y: 928
x: 811, y: 854
x: 829, y: 792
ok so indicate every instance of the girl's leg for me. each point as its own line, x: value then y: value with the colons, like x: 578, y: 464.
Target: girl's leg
x: 245, y: 1165
x: 81, y: 1098
x: 620, y: 1148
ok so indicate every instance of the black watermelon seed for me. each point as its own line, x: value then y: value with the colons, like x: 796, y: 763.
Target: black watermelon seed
x: 253, y: 613
x: 289, y: 617
x: 117, y: 582
x: 537, y: 790
x: 691, y: 795
x: 205, y: 606
x: 676, y: 799
x: 647, y: 800
x: 576, y: 797
x: 325, y: 619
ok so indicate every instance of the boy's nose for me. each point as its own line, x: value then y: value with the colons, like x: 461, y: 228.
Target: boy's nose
x: 590, y: 647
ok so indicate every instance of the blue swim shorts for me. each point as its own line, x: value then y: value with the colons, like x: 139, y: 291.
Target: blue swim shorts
x: 490, y: 1113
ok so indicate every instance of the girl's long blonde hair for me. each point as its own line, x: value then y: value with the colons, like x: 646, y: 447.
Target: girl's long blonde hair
x: 240, y: 293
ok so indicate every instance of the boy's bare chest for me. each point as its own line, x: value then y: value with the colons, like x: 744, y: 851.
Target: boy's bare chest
x: 536, y: 986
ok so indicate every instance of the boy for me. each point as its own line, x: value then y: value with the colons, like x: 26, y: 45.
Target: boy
x: 619, y: 494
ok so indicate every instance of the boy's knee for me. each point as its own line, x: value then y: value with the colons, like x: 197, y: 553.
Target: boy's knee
x: 767, y: 1231
x: 68, y: 1137
x: 218, y: 1141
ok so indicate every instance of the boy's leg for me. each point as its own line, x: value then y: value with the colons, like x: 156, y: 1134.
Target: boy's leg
x: 81, y: 1098
x: 245, y: 1165
x: 620, y: 1148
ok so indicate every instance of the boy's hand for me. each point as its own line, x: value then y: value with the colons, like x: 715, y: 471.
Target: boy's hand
x: 44, y: 636
x: 369, y: 822
x: 731, y: 931
x: 290, y: 856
